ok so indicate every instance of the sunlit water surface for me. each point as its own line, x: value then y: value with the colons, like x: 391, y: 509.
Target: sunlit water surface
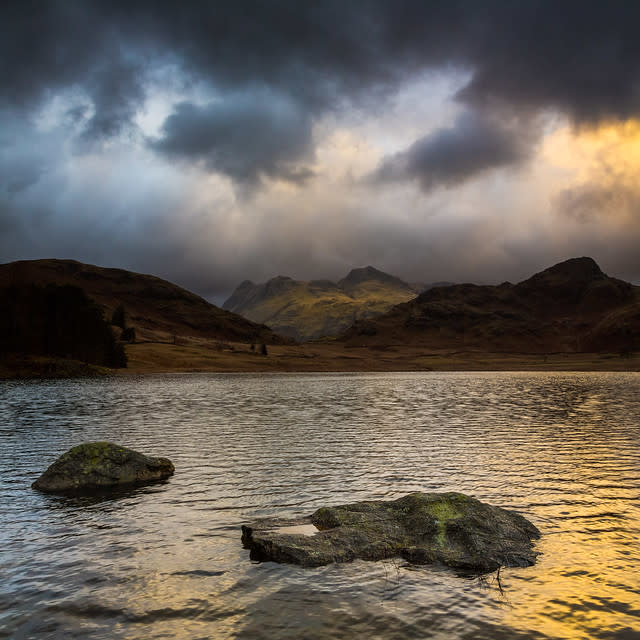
x: 166, y: 561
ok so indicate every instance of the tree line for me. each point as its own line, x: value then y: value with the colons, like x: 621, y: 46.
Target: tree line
x: 58, y: 321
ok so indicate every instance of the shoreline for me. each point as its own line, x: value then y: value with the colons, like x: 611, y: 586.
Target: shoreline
x: 199, y: 356
x: 336, y: 357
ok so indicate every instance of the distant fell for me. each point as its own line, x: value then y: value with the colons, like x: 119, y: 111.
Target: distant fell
x: 307, y: 310
x: 363, y: 275
x: 155, y: 308
x: 572, y: 306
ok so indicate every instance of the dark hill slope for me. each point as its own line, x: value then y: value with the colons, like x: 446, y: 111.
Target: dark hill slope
x: 317, y: 308
x: 157, y: 309
x: 55, y: 322
x: 572, y: 306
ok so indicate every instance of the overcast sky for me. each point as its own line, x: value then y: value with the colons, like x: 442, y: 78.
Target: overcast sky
x: 213, y: 142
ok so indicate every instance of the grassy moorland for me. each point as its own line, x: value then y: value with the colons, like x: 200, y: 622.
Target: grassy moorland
x: 30, y: 366
x: 196, y: 356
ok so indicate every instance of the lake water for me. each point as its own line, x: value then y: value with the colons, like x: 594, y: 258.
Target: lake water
x: 166, y: 561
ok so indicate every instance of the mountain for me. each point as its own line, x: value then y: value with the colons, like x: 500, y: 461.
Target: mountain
x: 572, y: 306
x: 318, y: 308
x: 158, y: 310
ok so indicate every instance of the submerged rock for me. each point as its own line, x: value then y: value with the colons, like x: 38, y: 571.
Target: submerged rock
x: 101, y: 465
x: 423, y: 528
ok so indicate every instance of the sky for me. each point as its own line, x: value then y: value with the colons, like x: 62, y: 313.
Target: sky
x: 213, y: 142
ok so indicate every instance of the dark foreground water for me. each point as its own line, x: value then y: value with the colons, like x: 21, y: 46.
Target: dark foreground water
x: 166, y: 561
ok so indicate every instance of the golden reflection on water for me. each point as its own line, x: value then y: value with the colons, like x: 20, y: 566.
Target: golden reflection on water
x: 583, y: 585
x: 580, y: 586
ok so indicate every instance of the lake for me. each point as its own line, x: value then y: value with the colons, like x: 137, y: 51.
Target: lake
x: 165, y: 561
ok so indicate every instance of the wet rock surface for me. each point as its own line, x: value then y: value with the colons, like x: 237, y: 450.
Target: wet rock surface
x: 96, y: 466
x: 423, y: 528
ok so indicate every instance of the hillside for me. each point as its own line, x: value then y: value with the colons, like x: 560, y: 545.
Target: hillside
x: 158, y: 310
x: 318, y: 308
x: 55, y: 322
x: 570, y: 307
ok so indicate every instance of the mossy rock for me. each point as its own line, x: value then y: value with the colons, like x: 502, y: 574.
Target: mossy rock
x: 96, y: 466
x: 423, y: 528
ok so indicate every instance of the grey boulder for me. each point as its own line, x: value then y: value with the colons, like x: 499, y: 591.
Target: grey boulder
x: 95, y: 466
x: 423, y: 528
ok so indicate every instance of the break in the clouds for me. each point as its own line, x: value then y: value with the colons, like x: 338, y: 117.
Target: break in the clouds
x: 210, y: 142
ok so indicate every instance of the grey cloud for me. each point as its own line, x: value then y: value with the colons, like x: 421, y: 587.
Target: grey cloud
x: 614, y: 201
x: 209, y: 246
x: 20, y: 177
x: 473, y: 145
x: 23, y: 158
x: 580, y: 57
x: 243, y: 136
x: 54, y: 46
x: 116, y: 90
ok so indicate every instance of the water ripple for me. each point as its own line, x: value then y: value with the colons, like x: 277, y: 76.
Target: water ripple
x: 166, y: 562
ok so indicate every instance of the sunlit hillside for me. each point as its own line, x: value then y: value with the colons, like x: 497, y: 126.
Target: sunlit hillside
x: 319, y: 308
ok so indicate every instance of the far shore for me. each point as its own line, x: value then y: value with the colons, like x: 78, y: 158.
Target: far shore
x: 196, y: 355
x: 200, y: 356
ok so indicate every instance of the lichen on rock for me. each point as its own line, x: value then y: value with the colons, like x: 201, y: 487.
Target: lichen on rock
x: 101, y: 465
x: 423, y: 528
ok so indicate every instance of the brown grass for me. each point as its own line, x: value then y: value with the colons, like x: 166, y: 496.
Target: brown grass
x: 194, y: 356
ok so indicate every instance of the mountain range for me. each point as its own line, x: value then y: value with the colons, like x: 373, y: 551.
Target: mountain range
x: 570, y: 307
x: 571, y: 315
x: 308, y: 310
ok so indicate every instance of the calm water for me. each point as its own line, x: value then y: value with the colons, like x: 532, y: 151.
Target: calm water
x: 166, y: 561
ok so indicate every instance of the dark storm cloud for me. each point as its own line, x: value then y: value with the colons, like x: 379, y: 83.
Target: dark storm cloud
x: 474, y: 144
x: 582, y: 58
x: 242, y: 136
x: 117, y: 93
x: 52, y: 46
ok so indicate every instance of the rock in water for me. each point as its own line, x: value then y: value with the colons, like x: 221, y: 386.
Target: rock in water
x: 101, y: 465
x: 423, y: 528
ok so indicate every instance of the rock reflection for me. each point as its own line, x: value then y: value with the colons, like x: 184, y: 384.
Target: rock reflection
x: 106, y: 498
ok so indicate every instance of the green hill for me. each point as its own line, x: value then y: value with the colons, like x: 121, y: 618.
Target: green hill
x: 307, y: 310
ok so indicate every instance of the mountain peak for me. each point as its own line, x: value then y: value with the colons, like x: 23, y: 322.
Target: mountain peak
x: 369, y: 274
x: 306, y: 310
x: 575, y: 271
x: 278, y: 285
x: 584, y: 267
x: 569, y: 307
x: 363, y: 273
